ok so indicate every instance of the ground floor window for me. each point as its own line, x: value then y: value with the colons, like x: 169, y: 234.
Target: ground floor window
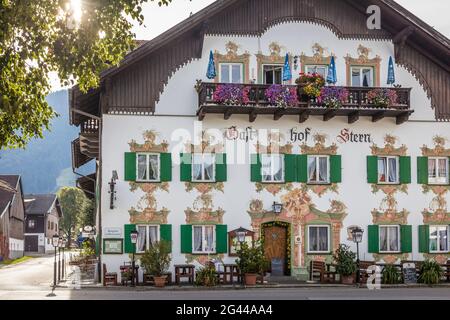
x: 389, y: 238
x: 203, y: 239
x: 439, y: 238
x: 148, y: 235
x: 318, y: 239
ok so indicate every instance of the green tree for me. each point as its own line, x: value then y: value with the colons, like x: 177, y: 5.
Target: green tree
x: 37, y: 37
x: 74, y: 205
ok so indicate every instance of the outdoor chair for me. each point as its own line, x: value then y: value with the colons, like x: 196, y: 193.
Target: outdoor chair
x: 319, y: 271
x: 109, y: 277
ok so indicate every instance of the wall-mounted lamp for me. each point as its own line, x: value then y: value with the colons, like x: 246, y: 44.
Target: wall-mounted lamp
x: 111, y: 191
x: 277, y: 207
x: 295, y: 62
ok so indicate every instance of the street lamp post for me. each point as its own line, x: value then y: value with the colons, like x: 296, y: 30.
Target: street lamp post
x: 59, y: 258
x: 64, y: 243
x: 134, y: 236
x: 55, y: 240
x: 357, y: 234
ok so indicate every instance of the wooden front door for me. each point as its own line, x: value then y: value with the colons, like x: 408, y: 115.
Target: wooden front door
x: 31, y: 243
x: 275, y: 248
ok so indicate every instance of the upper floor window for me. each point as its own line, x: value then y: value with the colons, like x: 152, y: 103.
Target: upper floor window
x: 203, y: 167
x: 31, y: 223
x: 319, y: 69
x: 362, y: 76
x: 389, y: 238
x: 231, y: 73
x: 48, y: 225
x: 203, y: 239
x: 273, y: 74
x: 439, y: 238
x: 318, y: 169
x: 148, y: 235
x: 438, y: 170
x: 272, y: 167
x: 51, y: 225
x: 148, y: 167
x: 388, y: 170
x: 318, y: 239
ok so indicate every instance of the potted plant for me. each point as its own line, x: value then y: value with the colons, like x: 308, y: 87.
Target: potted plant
x: 207, y: 276
x: 333, y: 97
x: 391, y: 275
x: 156, y: 261
x: 251, y: 262
x: 382, y: 98
x: 345, y: 263
x: 309, y: 85
x: 281, y: 96
x: 430, y: 272
x: 231, y: 94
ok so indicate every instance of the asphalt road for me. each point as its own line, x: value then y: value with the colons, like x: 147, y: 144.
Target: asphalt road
x: 32, y: 280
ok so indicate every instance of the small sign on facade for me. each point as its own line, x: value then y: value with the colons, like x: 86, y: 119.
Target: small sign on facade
x: 409, y: 273
x: 112, y: 232
x: 41, y: 239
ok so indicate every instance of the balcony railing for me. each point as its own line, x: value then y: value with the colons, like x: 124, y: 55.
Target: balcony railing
x: 357, y: 104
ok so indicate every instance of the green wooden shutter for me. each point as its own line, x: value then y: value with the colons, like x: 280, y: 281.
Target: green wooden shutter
x: 186, y: 238
x: 165, y: 234
x: 405, y: 170
x: 302, y: 168
x: 424, y: 239
x: 374, y: 239
x: 372, y: 169
x: 422, y: 170
x: 290, y: 168
x: 186, y: 167
x: 406, y: 238
x: 129, y: 247
x: 130, y: 166
x: 335, y: 169
x: 166, y: 167
x: 255, y: 168
x: 221, y: 167
x: 221, y: 238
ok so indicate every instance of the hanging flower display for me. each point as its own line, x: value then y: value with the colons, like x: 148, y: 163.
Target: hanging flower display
x: 382, y: 98
x: 333, y: 97
x: 281, y: 96
x: 309, y: 85
x: 231, y: 94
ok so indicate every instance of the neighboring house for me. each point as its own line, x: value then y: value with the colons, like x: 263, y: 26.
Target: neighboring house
x: 42, y: 216
x: 197, y: 159
x: 12, y: 216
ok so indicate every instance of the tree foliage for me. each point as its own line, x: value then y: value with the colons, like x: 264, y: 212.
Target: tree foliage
x: 37, y: 37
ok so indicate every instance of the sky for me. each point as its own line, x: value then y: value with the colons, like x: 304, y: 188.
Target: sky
x: 159, y: 19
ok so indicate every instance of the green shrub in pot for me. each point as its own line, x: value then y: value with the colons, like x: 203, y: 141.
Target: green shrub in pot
x: 430, y: 272
x: 345, y: 263
x: 391, y: 275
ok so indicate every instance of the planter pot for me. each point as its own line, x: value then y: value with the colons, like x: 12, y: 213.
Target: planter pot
x: 160, y: 282
x: 250, y: 279
x: 347, y: 279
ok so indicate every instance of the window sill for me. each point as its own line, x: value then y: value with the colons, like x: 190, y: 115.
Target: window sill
x: 319, y: 183
x: 148, y: 181
x: 319, y: 253
x: 202, y: 253
x: 389, y: 252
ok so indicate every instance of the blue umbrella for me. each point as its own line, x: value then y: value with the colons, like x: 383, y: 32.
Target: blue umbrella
x: 287, y: 74
x: 211, y: 73
x: 391, y: 72
x: 332, y: 77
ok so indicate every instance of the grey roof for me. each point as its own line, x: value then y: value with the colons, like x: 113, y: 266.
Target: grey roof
x: 6, y: 195
x: 39, y: 203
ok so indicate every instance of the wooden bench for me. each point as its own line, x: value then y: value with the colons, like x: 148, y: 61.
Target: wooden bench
x: 363, y: 274
x: 319, y: 270
x: 184, y: 271
x: 148, y: 278
x: 109, y: 277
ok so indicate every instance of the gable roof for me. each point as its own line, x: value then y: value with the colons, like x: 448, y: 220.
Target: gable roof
x: 431, y: 66
x: 39, y: 203
x: 6, y: 195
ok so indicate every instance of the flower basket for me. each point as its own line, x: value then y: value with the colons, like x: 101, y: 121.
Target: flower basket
x: 231, y: 94
x: 281, y: 96
x: 309, y: 86
x: 333, y: 97
x: 382, y: 98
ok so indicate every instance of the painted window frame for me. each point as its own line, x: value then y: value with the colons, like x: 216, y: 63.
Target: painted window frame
x: 397, y: 171
x: 204, y: 226
x: 307, y: 66
x: 318, y: 169
x: 272, y: 171
x: 328, y: 238
x: 147, y: 162
x: 438, y: 238
x: 213, y: 176
x: 435, y: 180
x: 372, y: 74
x: 263, y: 76
x: 230, y: 72
x: 387, y: 236
x: 147, y: 235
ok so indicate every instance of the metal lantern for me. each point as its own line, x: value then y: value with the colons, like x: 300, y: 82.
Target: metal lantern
x: 357, y: 234
x: 134, y: 236
x: 241, y: 233
x: 277, y: 207
x: 55, y: 240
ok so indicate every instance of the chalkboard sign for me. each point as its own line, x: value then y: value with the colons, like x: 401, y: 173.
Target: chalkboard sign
x: 277, y: 267
x: 409, y: 273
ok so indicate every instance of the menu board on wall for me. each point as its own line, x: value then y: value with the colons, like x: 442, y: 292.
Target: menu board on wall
x: 112, y: 246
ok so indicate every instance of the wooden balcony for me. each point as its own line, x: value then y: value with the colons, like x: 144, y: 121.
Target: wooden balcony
x: 356, y: 105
